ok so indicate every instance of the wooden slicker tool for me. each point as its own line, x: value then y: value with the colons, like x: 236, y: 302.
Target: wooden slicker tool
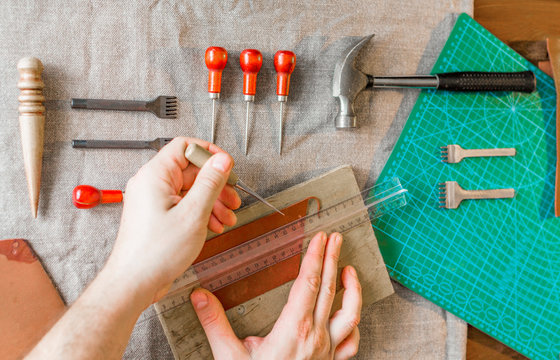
x: 31, y: 124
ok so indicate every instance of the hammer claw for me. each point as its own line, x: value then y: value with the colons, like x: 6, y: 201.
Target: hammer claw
x: 348, y: 82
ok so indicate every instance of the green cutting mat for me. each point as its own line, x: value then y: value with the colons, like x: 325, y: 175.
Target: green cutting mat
x: 493, y: 263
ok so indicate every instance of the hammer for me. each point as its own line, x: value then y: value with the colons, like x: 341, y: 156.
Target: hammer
x: 348, y: 82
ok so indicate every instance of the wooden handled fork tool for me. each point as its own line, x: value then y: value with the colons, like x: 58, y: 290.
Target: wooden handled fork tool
x: 451, y: 194
x: 454, y: 153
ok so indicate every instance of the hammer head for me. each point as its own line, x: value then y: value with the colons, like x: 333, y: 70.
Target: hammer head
x: 347, y: 83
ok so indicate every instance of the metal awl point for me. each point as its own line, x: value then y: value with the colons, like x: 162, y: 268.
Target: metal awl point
x: 247, y: 127
x: 241, y: 186
x: 198, y: 155
x: 213, y: 120
x: 281, y: 124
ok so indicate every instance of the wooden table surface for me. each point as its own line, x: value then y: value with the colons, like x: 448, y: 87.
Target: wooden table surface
x: 511, y: 21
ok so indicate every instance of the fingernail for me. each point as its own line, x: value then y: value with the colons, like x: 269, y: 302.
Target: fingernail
x: 338, y: 238
x: 199, y: 299
x: 221, y: 162
x: 352, y: 271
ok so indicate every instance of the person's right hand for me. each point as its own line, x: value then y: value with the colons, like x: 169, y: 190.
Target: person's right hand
x: 304, y: 329
x: 169, y: 205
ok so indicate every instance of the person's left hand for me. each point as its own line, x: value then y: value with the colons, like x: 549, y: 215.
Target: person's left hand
x: 305, y: 328
x: 168, y: 206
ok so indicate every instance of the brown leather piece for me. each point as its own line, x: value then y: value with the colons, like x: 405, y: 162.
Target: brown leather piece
x: 553, y: 48
x: 17, y: 250
x: 266, y: 279
x: 29, y: 303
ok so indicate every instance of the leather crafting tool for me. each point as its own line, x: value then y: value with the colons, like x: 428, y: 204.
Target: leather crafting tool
x: 251, y: 62
x: 155, y: 144
x: 29, y: 303
x: 349, y: 81
x: 86, y: 196
x: 284, y: 63
x: 553, y: 48
x: 32, y: 124
x: 453, y: 154
x: 223, y: 266
x: 164, y: 107
x: 451, y: 194
x: 216, y: 60
x: 198, y: 155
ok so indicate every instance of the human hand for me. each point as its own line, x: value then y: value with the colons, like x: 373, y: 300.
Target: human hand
x: 168, y: 207
x: 304, y: 329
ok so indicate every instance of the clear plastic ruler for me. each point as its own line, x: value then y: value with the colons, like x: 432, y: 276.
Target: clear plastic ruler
x: 284, y: 242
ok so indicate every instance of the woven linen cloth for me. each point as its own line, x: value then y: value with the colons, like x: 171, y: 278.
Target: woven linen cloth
x: 142, y: 49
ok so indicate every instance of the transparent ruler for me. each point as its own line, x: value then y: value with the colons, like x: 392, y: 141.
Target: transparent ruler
x: 284, y: 242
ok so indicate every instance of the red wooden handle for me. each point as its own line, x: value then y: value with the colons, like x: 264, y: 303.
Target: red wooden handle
x: 284, y: 63
x: 86, y: 196
x: 251, y: 62
x: 216, y: 60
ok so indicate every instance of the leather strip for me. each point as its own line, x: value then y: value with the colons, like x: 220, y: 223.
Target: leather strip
x: 266, y: 279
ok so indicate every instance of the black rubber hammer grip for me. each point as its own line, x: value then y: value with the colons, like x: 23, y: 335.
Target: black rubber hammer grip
x: 469, y: 81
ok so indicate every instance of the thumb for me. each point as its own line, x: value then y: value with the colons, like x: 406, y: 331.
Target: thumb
x: 208, y: 184
x: 222, y: 339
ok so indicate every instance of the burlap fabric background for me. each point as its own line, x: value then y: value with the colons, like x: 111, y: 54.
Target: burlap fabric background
x: 138, y: 50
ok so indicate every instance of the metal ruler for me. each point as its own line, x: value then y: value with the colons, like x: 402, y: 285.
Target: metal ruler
x: 284, y: 242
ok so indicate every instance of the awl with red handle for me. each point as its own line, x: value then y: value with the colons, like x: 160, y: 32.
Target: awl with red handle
x: 216, y: 60
x: 284, y: 63
x: 251, y: 62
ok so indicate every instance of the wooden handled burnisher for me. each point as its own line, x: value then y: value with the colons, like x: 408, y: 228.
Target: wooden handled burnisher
x: 31, y: 124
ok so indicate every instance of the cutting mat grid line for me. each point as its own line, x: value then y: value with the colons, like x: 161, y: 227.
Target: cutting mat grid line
x: 487, y: 289
x: 494, y: 263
